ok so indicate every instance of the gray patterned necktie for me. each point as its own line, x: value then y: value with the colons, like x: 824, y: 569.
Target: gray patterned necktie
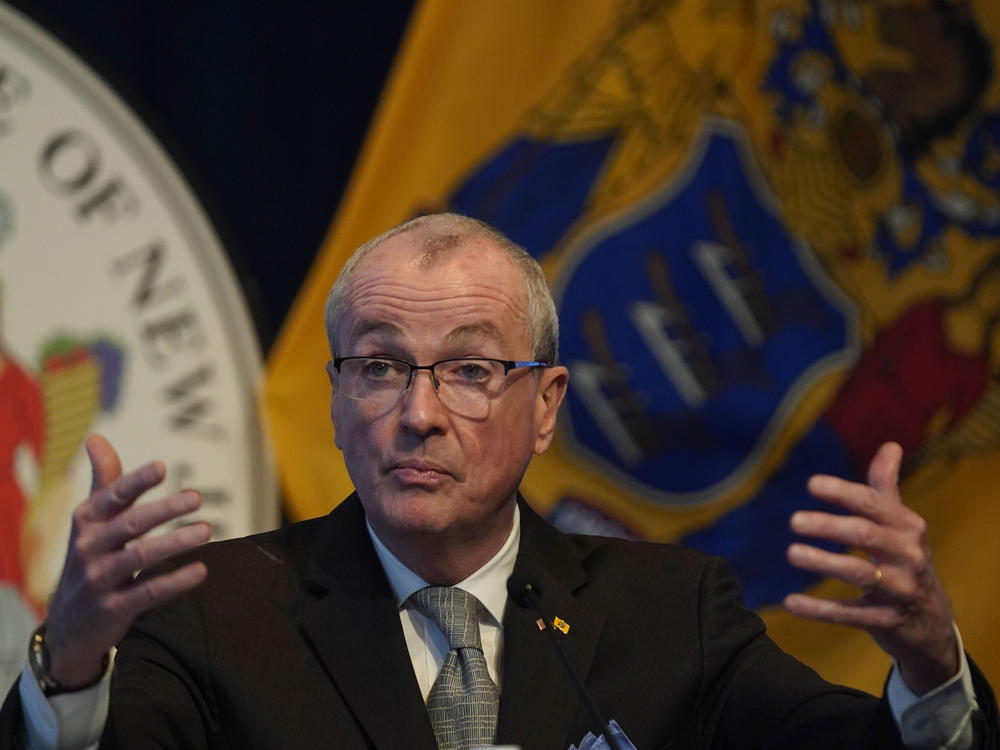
x: 464, y: 701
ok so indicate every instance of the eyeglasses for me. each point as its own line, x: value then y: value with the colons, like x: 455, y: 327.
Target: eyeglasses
x: 466, y: 386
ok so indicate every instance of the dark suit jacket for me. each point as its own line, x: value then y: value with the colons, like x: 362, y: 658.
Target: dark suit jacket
x: 294, y: 641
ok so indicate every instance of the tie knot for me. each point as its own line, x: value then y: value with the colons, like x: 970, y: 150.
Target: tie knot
x: 455, y: 611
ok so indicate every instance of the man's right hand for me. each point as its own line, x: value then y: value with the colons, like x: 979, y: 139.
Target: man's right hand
x: 97, y: 597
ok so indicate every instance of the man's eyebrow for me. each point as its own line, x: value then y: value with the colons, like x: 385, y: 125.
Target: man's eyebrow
x: 475, y: 330
x: 380, y: 327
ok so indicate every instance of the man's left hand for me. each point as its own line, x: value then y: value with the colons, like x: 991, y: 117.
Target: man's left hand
x: 903, y: 606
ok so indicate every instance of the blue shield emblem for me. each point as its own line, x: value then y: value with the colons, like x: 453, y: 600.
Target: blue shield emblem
x: 693, y: 324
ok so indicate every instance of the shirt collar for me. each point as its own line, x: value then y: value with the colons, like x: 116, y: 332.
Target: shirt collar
x: 488, y: 584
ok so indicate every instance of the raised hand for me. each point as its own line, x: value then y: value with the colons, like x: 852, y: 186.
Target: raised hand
x: 97, y: 599
x: 903, y: 604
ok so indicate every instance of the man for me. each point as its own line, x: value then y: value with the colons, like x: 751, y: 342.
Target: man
x: 325, y: 633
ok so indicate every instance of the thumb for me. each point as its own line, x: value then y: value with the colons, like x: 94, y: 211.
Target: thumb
x: 104, y: 462
x: 883, y: 472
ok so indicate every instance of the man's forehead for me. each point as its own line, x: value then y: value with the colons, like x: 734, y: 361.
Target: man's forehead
x: 461, y: 267
x: 415, y: 289
x: 390, y: 331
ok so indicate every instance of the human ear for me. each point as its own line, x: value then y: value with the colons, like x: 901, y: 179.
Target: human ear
x: 551, y: 390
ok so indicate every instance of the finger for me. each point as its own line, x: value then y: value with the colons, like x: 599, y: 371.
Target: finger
x: 883, y: 472
x: 851, y: 531
x: 881, y: 542
x: 138, y: 520
x: 847, y: 568
x: 115, y: 497
x: 150, y: 593
x: 856, y: 612
x: 105, y: 465
x: 856, y: 498
x: 120, y: 567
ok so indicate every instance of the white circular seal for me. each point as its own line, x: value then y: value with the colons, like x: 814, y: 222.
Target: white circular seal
x: 119, y: 314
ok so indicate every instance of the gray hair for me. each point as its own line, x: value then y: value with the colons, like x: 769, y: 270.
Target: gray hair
x: 441, y: 232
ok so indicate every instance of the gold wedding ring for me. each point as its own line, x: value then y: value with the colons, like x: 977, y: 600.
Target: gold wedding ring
x: 878, y: 577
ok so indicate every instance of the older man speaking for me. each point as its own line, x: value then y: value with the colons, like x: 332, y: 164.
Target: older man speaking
x: 386, y: 624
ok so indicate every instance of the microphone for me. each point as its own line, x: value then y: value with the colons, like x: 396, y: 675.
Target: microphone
x: 526, y: 594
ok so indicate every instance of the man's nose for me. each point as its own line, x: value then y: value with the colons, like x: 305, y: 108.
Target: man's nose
x: 423, y: 411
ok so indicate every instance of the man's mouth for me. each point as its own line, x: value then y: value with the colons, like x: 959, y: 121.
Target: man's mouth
x: 418, y: 471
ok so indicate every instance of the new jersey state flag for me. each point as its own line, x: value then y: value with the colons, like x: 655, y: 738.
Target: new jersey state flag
x: 772, y: 230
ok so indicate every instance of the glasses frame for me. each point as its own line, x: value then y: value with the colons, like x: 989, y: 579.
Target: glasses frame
x: 508, y: 365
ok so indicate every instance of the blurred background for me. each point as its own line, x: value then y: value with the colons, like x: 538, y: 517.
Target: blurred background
x: 264, y: 106
x: 771, y: 229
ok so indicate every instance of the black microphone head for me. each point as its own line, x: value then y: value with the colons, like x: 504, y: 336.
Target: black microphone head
x: 523, y: 591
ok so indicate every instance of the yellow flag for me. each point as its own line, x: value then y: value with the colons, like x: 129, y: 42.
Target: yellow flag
x: 771, y: 231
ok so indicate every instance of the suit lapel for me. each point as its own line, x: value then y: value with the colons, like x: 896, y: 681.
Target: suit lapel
x: 350, y: 618
x: 539, y: 703
x: 351, y: 621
